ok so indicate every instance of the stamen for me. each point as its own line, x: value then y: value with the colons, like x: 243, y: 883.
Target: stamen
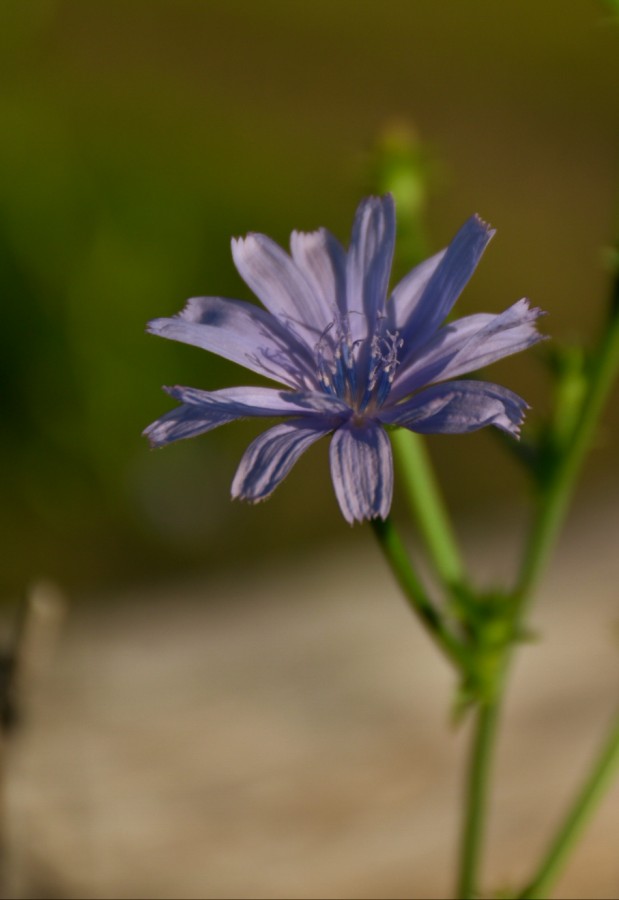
x: 338, y: 358
x: 335, y: 361
x: 384, y: 360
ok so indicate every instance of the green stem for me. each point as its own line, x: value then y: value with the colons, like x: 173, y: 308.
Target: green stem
x: 430, y: 616
x: 477, y: 800
x: 427, y: 506
x: 556, y: 496
x: 552, y: 507
x: 605, y: 768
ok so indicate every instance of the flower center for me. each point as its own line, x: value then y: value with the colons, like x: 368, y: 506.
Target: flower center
x: 358, y: 372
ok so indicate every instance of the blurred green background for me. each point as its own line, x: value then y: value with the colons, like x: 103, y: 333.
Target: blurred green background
x: 139, y: 136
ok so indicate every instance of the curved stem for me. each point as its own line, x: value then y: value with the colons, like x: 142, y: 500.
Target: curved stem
x: 430, y: 616
x: 427, y: 506
x: 603, y: 771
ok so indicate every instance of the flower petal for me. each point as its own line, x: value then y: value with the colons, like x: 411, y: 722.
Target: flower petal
x: 468, y: 344
x: 369, y: 262
x: 509, y: 332
x: 243, y: 333
x: 322, y: 259
x: 280, y: 285
x: 446, y: 283
x: 186, y: 421
x: 269, y: 458
x: 362, y: 471
x: 457, y: 407
x: 262, y: 401
x: 407, y: 293
x: 204, y: 410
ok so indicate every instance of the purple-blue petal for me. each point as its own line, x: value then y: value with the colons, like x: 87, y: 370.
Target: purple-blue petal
x: 369, y: 263
x: 509, y: 332
x: 263, y: 401
x: 408, y: 292
x: 269, y: 458
x: 468, y: 344
x: 458, y: 407
x: 322, y: 260
x: 242, y: 333
x: 204, y: 410
x: 186, y: 421
x: 280, y: 285
x: 446, y: 284
x: 362, y: 471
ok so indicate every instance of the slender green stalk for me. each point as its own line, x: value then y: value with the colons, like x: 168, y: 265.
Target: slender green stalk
x: 427, y: 506
x: 476, y: 800
x: 556, y: 496
x: 552, y: 507
x: 606, y: 766
x: 430, y: 616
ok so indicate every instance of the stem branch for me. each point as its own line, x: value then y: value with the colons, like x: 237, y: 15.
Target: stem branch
x: 556, y: 496
x: 430, y: 616
x: 584, y: 805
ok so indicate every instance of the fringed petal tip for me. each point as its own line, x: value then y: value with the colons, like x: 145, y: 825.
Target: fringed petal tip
x: 192, y: 311
x: 150, y: 433
x: 512, y: 419
x: 527, y: 315
x: 155, y: 326
x: 512, y: 428
x: 160, y: 432
x: 524, y: 410
x: 369, y: 517
x: 487, y: 227
x: 197, y: 310
x: 376, y: 201
x: 246, y: 498
x: 237, y: 243
x: 528, y: 311
x: 162, y: 324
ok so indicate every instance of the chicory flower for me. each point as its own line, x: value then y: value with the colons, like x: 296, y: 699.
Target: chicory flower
x: 353, y: 358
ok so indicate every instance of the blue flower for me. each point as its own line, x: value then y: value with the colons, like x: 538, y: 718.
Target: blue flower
x: 353, y: 358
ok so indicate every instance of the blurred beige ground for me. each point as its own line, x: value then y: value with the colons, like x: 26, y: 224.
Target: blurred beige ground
x: 290, y: 737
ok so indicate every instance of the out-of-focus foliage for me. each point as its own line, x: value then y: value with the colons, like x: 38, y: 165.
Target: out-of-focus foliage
x: 138, y: 137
